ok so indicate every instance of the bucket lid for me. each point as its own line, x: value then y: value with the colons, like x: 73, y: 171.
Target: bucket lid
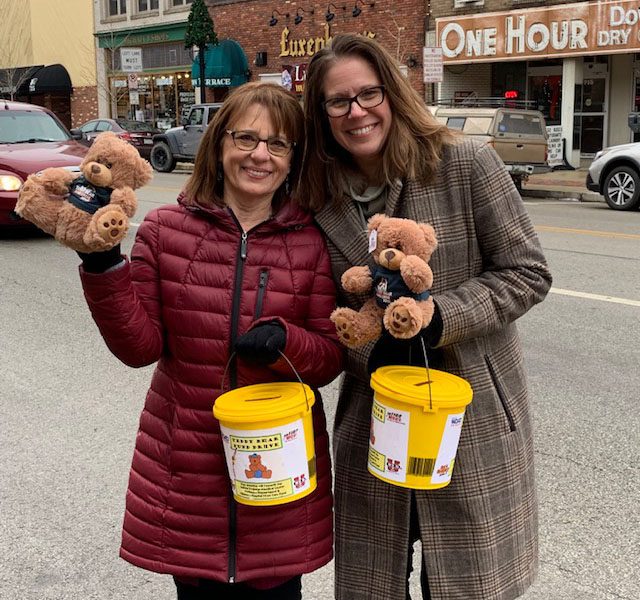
x: 263, y: 402
x: 409, y: 384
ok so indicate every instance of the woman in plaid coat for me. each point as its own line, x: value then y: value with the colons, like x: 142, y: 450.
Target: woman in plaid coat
x: 372, y: 146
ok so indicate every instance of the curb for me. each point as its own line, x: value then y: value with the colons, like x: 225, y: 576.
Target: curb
x: 546, y: 193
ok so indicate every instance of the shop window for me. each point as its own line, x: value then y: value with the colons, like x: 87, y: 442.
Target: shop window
x: 146, y: 5
x: 117, y: 7
x: 546, y: 93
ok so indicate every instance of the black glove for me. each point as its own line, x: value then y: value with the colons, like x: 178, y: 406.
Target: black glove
x: 99, y: 262
x: 389, y: 350
x: 262, y: 344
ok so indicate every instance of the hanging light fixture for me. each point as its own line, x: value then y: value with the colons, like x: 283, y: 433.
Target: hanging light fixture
x: 299, y: 17
x: 357, y: 11
x: 273, y: 21
x: 329, y: 16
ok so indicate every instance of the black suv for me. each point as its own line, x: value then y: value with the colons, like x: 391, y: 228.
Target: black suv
x: 180, y: 144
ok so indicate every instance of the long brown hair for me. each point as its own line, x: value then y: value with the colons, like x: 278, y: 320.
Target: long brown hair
x: 415, y: 141
x: 205, y: 186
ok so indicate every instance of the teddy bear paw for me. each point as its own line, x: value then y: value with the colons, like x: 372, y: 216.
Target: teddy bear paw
x: 346, y: 323
x: 402, y: 320
x: 112, y: 226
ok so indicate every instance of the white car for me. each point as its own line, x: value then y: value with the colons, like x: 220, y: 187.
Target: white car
x: 615, y: 173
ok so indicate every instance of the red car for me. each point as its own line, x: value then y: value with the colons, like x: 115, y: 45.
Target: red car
x: 31, y: 139
x: 137, y: 133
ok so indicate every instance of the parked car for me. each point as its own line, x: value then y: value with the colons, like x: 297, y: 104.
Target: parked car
x: 31, y: 139
x: 181, y: 143
x: 137, y: 133
x: 519, y: 136
x: 615, y: 173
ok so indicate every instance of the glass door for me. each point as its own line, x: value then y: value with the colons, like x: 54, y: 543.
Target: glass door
x: 590, y: 108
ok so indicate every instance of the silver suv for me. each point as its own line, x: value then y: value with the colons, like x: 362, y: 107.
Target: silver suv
x: 180, y: 144
x: 615, y: 173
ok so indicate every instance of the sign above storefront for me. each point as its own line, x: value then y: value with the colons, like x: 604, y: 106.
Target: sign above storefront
x: 564, y: 30
x: 307, y: 46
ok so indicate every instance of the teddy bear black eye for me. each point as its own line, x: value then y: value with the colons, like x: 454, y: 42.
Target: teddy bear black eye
x: 399, y: 247
x: 108, y: 165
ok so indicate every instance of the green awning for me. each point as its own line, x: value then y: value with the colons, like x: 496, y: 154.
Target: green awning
x: 225, y: 66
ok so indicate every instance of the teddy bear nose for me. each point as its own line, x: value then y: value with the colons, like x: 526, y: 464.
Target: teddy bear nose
x: 95, y: 169
x: 388, y: 255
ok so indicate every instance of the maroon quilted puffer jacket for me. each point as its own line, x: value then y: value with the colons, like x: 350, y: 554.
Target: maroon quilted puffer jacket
x: 194, y: 284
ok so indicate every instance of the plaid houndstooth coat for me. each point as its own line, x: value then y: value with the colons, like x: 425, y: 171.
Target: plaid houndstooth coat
x: 479, y: 534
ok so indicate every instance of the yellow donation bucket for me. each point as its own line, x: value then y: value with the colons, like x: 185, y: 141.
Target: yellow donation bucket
x: 416, y: 425
x: 267, y: 433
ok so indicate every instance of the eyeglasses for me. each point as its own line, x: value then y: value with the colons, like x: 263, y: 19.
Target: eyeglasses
x: 247, y: 141
x: 339, y: 107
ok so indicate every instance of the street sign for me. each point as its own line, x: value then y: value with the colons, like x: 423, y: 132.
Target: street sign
x: 132, y: 81
x: 432, y: 65
x: 131, y: 59
x: 134, y: 98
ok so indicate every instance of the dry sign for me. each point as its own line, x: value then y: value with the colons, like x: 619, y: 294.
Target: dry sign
x: 564, y: 30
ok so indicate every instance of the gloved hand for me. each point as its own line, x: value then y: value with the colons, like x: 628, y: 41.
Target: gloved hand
x: 262, y: 344
x: 99, y: 262
x: 389, y: 350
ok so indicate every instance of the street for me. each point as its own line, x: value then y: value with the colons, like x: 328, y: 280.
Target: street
x: 69, y: 415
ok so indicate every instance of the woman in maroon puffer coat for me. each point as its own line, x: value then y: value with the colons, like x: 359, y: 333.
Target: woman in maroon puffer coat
x: 236, y: 265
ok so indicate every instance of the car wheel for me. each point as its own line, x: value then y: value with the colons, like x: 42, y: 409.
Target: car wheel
x: 162, y: 158
x: 622, y: 188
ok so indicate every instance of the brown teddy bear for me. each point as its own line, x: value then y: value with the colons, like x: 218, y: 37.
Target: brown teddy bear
x: 90, y: 212
x: 400, y: 281
x: 256, y: 468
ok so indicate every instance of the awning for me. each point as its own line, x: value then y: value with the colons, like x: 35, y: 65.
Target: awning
x: 52, y: 78
x: 225, y: 66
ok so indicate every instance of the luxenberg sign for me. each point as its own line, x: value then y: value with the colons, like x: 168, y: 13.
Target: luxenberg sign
x: 563, y: 30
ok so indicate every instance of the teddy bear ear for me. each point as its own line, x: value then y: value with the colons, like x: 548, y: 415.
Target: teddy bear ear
x: 429, y: 235
x: 375, y: 221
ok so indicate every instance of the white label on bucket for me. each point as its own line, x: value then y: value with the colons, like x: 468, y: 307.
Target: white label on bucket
x: 267, y: 464
x: 389, y: 441
x: 448, y: 447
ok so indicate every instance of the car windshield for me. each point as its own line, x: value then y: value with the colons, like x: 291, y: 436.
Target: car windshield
x: 24, y: 126
x: 134, y: 125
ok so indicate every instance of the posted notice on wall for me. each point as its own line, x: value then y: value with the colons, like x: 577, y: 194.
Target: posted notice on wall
x: 554, y: 145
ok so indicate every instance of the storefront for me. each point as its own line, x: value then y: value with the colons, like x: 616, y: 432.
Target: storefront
x: 574, y: 62
x: 160, y: 90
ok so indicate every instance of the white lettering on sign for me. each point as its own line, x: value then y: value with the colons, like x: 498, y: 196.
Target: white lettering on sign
x: 563, y: 30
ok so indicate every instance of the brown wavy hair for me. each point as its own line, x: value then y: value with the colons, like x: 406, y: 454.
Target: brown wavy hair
x: 415, y: 141
x: 204, y: 186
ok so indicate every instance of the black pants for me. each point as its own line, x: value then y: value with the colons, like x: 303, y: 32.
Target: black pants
x: 414, y: 536
x: 216, y: 590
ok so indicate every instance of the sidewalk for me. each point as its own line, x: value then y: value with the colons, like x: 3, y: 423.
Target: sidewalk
x: 560, y: 184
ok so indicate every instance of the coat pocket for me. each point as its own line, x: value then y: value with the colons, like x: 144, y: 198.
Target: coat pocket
x: 500, y: 393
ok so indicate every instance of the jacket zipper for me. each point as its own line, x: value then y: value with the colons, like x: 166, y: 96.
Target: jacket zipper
x: 501, y: 396
x: 262, y: 288
x: 233, y: 377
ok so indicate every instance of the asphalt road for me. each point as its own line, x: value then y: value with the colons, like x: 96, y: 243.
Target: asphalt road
x: 69, y: 413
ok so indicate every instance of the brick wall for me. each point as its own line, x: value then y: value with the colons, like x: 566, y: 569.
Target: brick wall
x: 399, y: 26
x: 84, y: 105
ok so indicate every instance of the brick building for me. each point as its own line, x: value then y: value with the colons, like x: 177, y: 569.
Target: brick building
x: 579, y: 63
x: 280, y: 34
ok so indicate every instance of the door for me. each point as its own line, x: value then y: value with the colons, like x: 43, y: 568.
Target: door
x: 590, y: 108
x: 192, y: 132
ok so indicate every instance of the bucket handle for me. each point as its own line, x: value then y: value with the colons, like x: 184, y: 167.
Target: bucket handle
x: 304, y: 389
x: 426, y: 364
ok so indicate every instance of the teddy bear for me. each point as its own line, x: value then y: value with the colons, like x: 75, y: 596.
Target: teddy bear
x: 256, y: 468
x: 90, y: 212
x: 400, y: 283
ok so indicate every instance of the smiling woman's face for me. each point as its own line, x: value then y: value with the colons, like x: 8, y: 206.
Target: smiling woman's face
x: 363, y: 131
x: 255, y: 174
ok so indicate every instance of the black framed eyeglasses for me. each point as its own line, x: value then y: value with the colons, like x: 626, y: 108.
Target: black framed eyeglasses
x: 339, y: 107
x: 248, y: 141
